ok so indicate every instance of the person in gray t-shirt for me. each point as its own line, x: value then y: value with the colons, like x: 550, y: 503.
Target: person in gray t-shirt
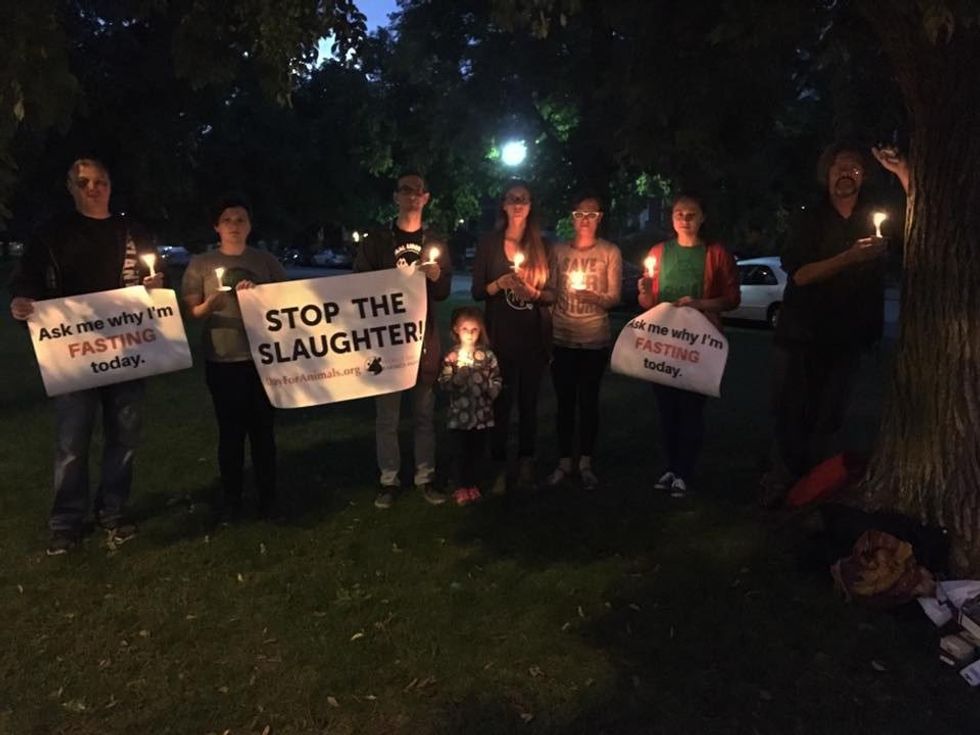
x: 240, y: 402
x: 585, y: 275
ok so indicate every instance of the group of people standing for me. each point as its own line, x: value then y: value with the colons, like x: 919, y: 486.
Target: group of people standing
x: 543, y: 306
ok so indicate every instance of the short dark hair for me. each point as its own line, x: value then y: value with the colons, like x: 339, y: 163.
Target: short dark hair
x: 412, y: 172
x: 228, y: 201
x: 830, y: 153
x: 584, y: 194
x: 689, y: 196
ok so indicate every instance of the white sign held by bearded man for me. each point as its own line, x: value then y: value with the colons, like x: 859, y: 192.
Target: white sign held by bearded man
x: 675, y: 346
x: 107, y: 337
x: 333, y: 339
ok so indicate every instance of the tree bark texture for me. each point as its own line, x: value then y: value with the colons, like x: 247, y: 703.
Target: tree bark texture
x: 927, y: 459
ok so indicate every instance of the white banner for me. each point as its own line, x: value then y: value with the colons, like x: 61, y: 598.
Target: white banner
x: 332, y: 339
x: 107, y: 337
x: 674, y: 346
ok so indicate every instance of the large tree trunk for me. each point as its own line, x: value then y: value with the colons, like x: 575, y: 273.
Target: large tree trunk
x: 927, y: 458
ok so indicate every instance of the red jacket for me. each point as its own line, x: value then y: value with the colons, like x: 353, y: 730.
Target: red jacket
x: 720, y: 278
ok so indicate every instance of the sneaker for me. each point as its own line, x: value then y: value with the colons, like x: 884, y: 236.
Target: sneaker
x: 62, y: 542
x: 589, y: 480
x: 678, y: 488
x: 431, y: 495
x: 384, y: 498
x: 475, y: 496
x: 664, y: 483
x: 461, y: 496
x: 557, y: 477
x: 119, y: 531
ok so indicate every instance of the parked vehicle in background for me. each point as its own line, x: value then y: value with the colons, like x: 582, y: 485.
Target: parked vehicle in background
x: 763, y: 281
x: 328, y: 258
x: 294, y: 257
x: 174, y: 255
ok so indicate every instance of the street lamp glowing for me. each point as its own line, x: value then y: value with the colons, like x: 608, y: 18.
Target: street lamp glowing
x: 513, y: 153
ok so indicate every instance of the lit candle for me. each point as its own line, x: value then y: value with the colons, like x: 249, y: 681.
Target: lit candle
x: 464, y: 358
x: 878, y: 218
x: 433, y: 254
x: 518, y: 261
x: 577, y: 280
x: 219, y: 273
x: 151, y: 260
x: 650, y: 264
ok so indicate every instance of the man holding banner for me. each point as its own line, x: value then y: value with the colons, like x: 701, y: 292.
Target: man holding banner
x: 88, y: 251
x: 404, y: 243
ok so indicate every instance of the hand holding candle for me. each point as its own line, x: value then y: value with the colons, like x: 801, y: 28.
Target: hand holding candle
x: 518, y: 261
x: 878, y: 218
x: 464, y: 358
x: 576, y: 279
x: 433, y: 255
x: 151, y: 260
x: 649, y: 266
x: 219, y: 273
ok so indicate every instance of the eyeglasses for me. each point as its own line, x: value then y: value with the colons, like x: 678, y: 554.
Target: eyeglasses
x: 516, y: 200
x: 588, y: 216
x: 410, y: 191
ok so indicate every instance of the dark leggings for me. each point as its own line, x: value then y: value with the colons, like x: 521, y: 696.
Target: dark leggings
x: 470, y: 446
x: 681, y: 428
x: 522, y: 383
x: 243, y: 409
x: 576, y: 374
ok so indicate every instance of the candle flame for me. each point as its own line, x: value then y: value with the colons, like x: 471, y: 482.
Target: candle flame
x: 518, y: 260
x: 649, y: 265
x: 151, y: 260
x: 577, y: 280
x: 433, y: 254
x: 878, y: 218
x: 220, y: 275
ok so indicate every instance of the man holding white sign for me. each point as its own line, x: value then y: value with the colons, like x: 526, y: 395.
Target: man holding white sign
x: 89, y: 251
x: 404, y: 244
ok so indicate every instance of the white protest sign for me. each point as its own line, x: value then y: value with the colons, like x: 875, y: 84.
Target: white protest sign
x: 107, y: 337
x: 332, y: 339
x: 674, y: 346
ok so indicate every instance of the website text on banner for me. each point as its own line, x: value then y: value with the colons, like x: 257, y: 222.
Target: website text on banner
x: 108, y: 337
x: 674, y: 346
x: 332, y: 339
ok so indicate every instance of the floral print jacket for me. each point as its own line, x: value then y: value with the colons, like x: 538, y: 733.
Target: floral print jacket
x: 472, y: 387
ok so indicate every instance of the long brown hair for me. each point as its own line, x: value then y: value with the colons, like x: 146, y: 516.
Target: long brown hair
x: 532, y: 244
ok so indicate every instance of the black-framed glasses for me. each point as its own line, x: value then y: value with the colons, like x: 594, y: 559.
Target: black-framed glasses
x: 587, y: 216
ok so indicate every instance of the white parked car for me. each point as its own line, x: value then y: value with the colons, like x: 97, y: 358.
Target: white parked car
x: 762, y: 281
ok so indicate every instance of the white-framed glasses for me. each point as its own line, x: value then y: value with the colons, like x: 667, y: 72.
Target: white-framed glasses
x: 587, y: 216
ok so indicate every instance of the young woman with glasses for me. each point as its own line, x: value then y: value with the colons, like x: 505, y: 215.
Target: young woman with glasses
x: 510, y: 273
x: 585, y: 276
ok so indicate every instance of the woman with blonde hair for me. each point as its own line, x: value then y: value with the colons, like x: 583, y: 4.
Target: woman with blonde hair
x: 510, y: 273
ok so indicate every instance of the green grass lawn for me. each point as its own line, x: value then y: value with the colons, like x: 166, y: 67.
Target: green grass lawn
x: 615, y: 612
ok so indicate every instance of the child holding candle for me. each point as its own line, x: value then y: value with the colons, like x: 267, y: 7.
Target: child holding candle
x: 586, y: 276
x: 472, y: 377
x: 240, y: 402
x: 510, y: 273
x: 688, y: 272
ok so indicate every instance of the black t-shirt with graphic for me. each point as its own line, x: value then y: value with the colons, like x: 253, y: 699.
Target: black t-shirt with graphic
x: 408, y: 246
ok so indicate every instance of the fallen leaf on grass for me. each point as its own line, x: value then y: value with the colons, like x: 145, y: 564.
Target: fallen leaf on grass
x: 20, y: 588
x: 267, y: 730
x: 427, y: 681
x: 240, y: 578
x: 535, y: 671
x: 526, y: 717
x: 262, y: 549
x: 488, y: 666
x: 332, y: 701
x: 878, y: 666
x: 223, y: 690
x: 581, y: 612
x: 566, y: 627
x: 395, y: 548
x: 411, y: 684
x: 111, y: 703
x: 74, y: 705
x: 634, y: 606
x: 357, y: 635
x: 144, y: 633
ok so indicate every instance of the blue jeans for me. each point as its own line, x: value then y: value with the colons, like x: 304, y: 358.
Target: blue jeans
x: 75, y: 418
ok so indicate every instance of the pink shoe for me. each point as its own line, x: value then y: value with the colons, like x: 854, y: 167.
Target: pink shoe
x: 474, y: 495
x: 461, y: 496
